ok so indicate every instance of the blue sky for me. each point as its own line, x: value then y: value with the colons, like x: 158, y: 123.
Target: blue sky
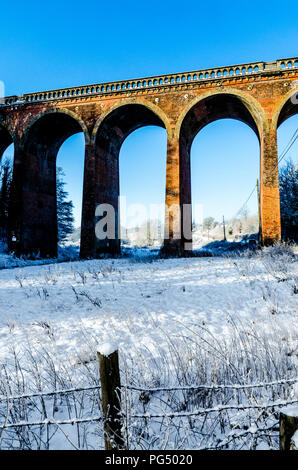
x: 57, y: 44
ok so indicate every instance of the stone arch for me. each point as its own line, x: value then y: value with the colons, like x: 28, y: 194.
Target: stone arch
x: 252, y: 105
x: 201, y: 111
x: 285, y: 108
x: 56, y: 112
x: 133, y: 101
x: 102, y: 166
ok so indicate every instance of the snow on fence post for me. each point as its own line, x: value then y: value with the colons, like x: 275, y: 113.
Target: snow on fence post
x: 111, y: 395
x: 288, y: 428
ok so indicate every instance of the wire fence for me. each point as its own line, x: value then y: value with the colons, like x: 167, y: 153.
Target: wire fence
x: 214, y: 416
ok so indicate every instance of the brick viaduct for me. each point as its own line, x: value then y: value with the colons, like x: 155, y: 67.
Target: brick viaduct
x: 261, y: 94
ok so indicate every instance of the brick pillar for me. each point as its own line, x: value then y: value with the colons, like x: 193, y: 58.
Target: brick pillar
x: 269, y: 190
x: 15, y: 209
x: 87, y: 249
x: 33, y: 217
x: 177, y: 194
x: 101, y: 186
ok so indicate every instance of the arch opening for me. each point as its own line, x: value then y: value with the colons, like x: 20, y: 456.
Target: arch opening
x: 38, y: 230
x: 213, y: 108
x: 5, y: 140
x: 70, y: 171
x: 289, y: 109
x: 142, y: 176
x: 6, y: 172
x: 122, y: 121
x: 207, y: 111
x: 6, y: 184
x: 110, y: 135
x: 287, y: 143
x: 224, y: 168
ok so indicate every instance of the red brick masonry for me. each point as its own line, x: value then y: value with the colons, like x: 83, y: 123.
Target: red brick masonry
x: 262, y: 94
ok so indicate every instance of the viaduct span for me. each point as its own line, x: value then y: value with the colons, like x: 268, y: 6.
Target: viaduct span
x: 261, y: 94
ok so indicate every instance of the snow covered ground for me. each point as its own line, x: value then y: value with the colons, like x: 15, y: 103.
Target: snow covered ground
x: 210, y: 320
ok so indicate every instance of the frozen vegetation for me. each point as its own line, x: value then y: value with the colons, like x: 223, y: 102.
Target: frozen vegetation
x: 193, y: 335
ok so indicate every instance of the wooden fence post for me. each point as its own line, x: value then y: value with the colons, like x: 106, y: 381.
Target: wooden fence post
x: 111, y: 395
x: 288, y: 425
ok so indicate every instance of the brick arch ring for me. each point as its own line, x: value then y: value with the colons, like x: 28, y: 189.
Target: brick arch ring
x: 147, y: 104
x: 253, y: 106
x: 57, y: 111
x: 281, y: 103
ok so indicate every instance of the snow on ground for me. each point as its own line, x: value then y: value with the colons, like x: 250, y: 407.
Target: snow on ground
x: 148, y: 306
x: 134, y: 302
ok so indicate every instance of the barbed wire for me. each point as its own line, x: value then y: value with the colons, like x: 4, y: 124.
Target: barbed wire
x: 193, y: 387
x: 44, y: 394
x: 186, y: 414
x: 8, y: 426
x: 217, y: 409
x: 213, y: 386
x: 233, y: 435
x: 49, y: 421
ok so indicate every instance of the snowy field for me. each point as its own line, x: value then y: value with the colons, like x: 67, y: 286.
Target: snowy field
x: 177, y: 322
